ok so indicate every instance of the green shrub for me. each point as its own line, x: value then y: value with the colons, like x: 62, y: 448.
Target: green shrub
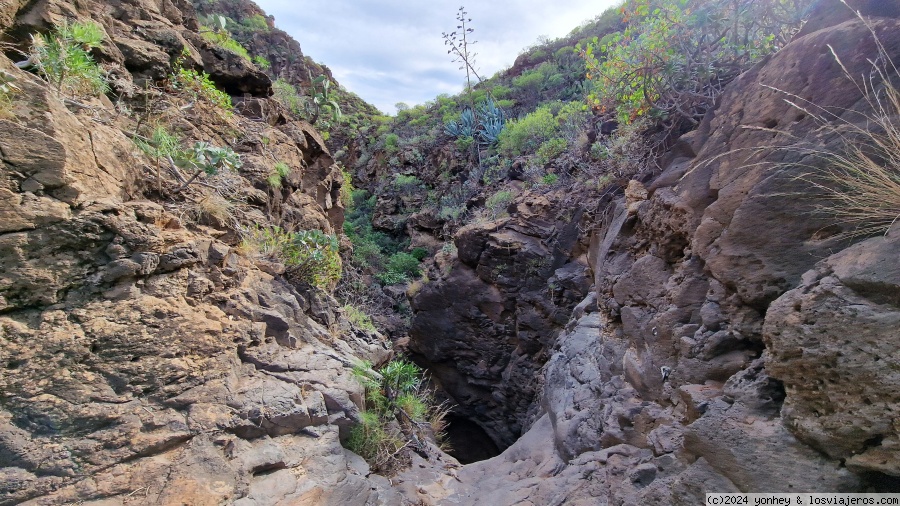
x: 391, y: 278
x: 646, y: 71
x: 391, y: 143
x: 395, y: 395
x: 286, y: 94
x: 497, y: 203
x: 464, y: 143
x: 309, y: 256
x: 529, y: 81
x: 256, y: 23
x: 274, y: 180
x: 370, y: 440
x: 347, y: 188
x: 63, y: 59
x: 235, y: 47
x: 451, y: 213
x: 403, y: 263
x: 400, y: 267
x: 500, y: 91
x: 312, y: 257
x: 406, y: 184
x: 199, y: 86
x: 551, y: 149
x: 526, y: 135
x: 280, y: 171
x: 550, y: 179
x: 419, y: 253
x: 262, y: 62
x: 359, y: 319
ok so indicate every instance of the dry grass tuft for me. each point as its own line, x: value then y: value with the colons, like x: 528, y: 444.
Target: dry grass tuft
x: 215, y: 207
x: 860, y: 184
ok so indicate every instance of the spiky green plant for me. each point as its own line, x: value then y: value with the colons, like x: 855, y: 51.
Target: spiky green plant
x: 464, y: 127
x: 160, y: 146
x: 63, y: 58
x: 492, y: 120
x: 395, y: 393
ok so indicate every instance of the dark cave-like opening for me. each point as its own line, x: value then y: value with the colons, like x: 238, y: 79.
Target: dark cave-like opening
x: 882, y: 483
x: 468, y: 441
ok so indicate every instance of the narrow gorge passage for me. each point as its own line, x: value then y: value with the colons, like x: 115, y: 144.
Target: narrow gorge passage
x: 468, y: 442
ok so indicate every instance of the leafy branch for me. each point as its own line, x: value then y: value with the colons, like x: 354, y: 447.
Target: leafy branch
x: 204, y: 157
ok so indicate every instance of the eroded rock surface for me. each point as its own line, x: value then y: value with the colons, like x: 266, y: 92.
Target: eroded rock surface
x: 734, y: 342
x: 484, y: 327
x: 145, y: 360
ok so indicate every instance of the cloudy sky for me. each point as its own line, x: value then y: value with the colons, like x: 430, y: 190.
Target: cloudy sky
x: 390, y: 51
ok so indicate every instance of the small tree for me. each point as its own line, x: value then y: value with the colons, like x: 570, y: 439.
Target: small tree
x: 160, y: 146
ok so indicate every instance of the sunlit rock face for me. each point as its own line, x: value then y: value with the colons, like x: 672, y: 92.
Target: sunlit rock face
x: 146, y: 358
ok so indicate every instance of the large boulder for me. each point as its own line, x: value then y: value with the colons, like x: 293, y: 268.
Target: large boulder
x: 832, y: 341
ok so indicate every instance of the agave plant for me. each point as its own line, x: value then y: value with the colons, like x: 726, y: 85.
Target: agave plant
x: 465, y: 127
x: 486, y: 128
x: 488, y: 111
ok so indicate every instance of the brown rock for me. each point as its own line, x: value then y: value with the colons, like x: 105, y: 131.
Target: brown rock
x: 832, y: 342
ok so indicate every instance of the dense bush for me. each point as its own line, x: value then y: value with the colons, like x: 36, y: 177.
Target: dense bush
x: 309, y: 256
x: 526, y: 135
x: 675, y: 56
x: 286, y: 94
x: 403, y: 263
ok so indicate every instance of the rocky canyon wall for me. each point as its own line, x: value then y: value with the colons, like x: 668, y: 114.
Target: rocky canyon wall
x: 144, y: 360
x: 735, y: 339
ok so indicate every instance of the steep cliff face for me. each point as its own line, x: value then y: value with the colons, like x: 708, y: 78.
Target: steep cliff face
x: 484, y: 327
x: 734, y: 342
x: 145, y: 356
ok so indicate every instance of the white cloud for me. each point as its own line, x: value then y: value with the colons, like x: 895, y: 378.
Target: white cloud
x: 390, y: 51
